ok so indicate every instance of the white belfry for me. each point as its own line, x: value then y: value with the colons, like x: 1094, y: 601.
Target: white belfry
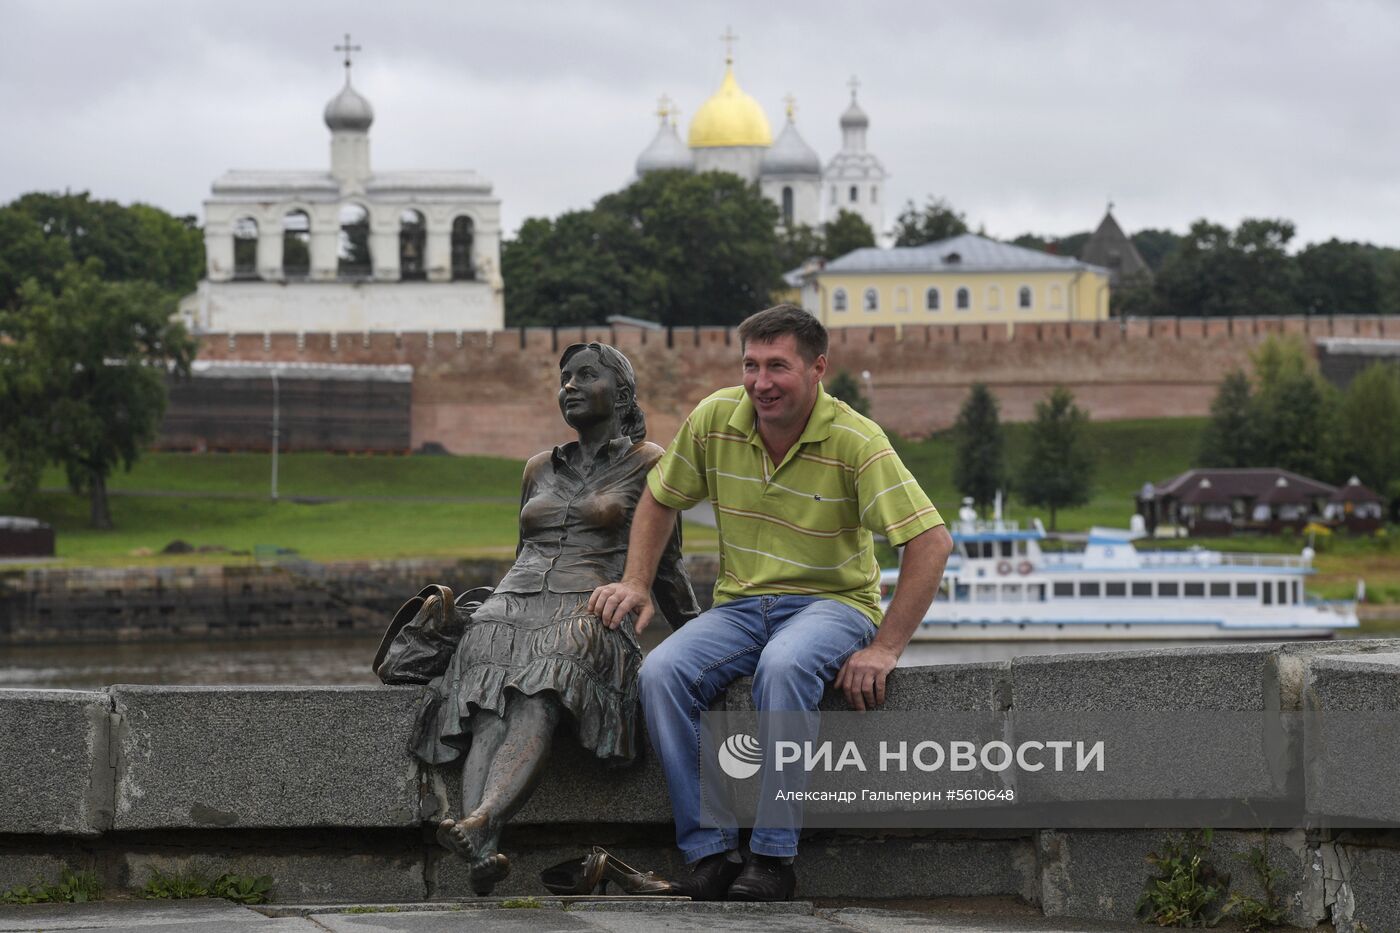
x: 349, y: 249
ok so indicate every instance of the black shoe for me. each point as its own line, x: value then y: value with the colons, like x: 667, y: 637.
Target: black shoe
x: 707, y: 879
x: 764, y: 878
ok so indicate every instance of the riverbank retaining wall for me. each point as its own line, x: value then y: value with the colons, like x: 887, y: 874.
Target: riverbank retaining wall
x: 315, y: 787
x: 43, y: 605
x: 491, y: 393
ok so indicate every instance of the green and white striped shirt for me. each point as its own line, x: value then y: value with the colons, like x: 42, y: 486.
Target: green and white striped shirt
x: 804, y: 526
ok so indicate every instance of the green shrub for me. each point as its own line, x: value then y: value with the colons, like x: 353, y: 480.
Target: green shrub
x: 1187, y: 892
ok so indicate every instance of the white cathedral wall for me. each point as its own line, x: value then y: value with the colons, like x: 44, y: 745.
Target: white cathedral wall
x: 743, y: 161
x: 345, y: 307
x: 806, y: 197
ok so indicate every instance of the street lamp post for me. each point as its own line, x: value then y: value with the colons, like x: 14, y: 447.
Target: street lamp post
x: 276, y: 430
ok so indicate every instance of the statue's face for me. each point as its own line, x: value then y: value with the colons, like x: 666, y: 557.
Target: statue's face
x: 587, y: 389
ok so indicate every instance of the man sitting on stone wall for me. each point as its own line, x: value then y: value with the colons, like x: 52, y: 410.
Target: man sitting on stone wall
x: 798, y: 482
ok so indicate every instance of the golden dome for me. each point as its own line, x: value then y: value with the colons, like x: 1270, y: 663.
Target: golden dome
x: 730, y: 118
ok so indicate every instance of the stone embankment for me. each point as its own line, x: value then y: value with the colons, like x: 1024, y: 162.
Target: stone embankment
x: 256, y: 600
x: 314, y: 787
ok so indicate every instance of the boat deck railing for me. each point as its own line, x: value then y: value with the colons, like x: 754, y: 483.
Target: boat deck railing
x: 1186, y: 559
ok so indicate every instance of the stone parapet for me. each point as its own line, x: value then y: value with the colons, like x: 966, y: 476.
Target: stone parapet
x: 316, y: 787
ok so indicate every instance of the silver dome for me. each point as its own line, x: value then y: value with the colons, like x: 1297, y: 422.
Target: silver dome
x: 790, y: 155
x: 854, y: 116
x: 666, y: 152
x: 349, y: 110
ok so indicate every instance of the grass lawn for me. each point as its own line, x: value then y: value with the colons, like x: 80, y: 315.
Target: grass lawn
x: 1126, y: 453
x: 345, y: 530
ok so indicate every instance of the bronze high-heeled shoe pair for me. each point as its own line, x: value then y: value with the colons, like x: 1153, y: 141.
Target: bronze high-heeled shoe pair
x: 592, y: 874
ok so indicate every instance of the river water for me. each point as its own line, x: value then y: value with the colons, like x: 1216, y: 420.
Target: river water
x: 346, y: 660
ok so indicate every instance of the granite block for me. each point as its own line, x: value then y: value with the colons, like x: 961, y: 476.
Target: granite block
x: 317, y: 876
x: 265, y: 757
x: 55, y: 769
x: 1353, y: 743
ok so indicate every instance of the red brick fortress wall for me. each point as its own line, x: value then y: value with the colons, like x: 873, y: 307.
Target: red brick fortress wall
x: 479, y: 393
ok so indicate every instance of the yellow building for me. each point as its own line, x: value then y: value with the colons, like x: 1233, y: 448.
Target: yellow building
x: 965, y: 279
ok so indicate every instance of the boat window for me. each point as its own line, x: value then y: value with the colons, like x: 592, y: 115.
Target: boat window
x: 1297, y: 592
x: 1268, y: 594
x: 1006, y: 550
x: 1194, y: 589
x: 1064, y: 589
x: 969, y: 548
x: 989, y: 549
x: 1011, y: 593
x: 1035, y: 593
x: 1220, y: 589
x: 1115, y: 589
x: 1169, y: 589
x: 1142, y: 588
x: 1248, y: 590
x: 986, y: 592
x: 1282, y: 592
x: 1089, y: 588
x: 960, y: 593
x: 942, y: 594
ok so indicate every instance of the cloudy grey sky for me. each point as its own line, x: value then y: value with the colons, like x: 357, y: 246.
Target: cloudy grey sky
x: 1026, y: 115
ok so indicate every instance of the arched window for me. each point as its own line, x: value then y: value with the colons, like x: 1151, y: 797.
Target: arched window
x: 413, y: 241
x: 1023, y: 297
x: 994, y: 298
x: 871, y: 300
x: 932, y: 300
x: 296, y: 244
x: 874, y: 194
x: 462, y: 231
x: 964, y: 299
x: 855, y: 191
x: 901, y: 299
x: 838, y: 300
x: 787, y: 205
x: 245, y: 248
x: 1057, y: 297
x: 354, y: 243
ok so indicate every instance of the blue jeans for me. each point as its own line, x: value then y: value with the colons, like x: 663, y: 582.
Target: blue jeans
x: 793, y: 646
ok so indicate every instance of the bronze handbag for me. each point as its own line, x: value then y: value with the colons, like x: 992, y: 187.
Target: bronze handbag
x: 419, y: 642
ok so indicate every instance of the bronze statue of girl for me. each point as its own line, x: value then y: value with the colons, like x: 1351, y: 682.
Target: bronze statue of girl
x: 532, y: 653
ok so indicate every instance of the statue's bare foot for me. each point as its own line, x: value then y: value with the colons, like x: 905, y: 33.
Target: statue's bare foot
x: 462, y: 836
x: 487, y: 872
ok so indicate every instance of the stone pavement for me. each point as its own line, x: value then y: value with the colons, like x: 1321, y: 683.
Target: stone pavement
x: 542, y: 915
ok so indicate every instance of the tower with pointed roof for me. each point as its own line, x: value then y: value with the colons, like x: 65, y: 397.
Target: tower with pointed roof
x: 349, y: 250
x: 854, y: 178
x: 1112, y: 249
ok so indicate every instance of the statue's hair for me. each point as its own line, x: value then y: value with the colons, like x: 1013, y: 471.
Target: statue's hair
x: 629, y: 418
x: 772, y: 323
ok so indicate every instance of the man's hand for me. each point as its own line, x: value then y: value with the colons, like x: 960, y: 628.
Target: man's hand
x: 613, y: 602
x: 862, y: 677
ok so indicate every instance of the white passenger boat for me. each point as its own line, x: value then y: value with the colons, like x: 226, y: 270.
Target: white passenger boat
x: 1001, y: 586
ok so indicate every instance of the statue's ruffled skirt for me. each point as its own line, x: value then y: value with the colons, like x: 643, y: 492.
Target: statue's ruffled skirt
x: 536, y: 643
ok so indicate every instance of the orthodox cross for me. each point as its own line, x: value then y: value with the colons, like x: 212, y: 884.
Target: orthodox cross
x: 728, y: 39
x: 347, y: 48
x: 791, y: 106
x: 854, y: 85
x: 663, y: 107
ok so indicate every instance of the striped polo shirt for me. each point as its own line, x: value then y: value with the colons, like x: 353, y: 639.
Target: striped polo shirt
x: 804, y: 526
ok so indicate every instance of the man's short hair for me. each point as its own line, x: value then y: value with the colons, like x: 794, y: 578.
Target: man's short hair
x: 772, y: 323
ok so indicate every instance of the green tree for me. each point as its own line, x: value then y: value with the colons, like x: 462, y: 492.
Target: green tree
x: 1338, y: 278
x: 1154, y: 246
x: 1294, y: 410
x: 82, y: 378
x: 1058, y: 470
x: 672, y: 247
x: 848, y: 232
x: 937, y: 220
x: 1059, y: 245
x: 1228, y: 440
x: 1217, y: 272
x: 27, y: 252
x: 979, y: 465
x: 797, y: 244
x: 1368, y: 422
x: 845, y: 387
x: 139, y: 242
